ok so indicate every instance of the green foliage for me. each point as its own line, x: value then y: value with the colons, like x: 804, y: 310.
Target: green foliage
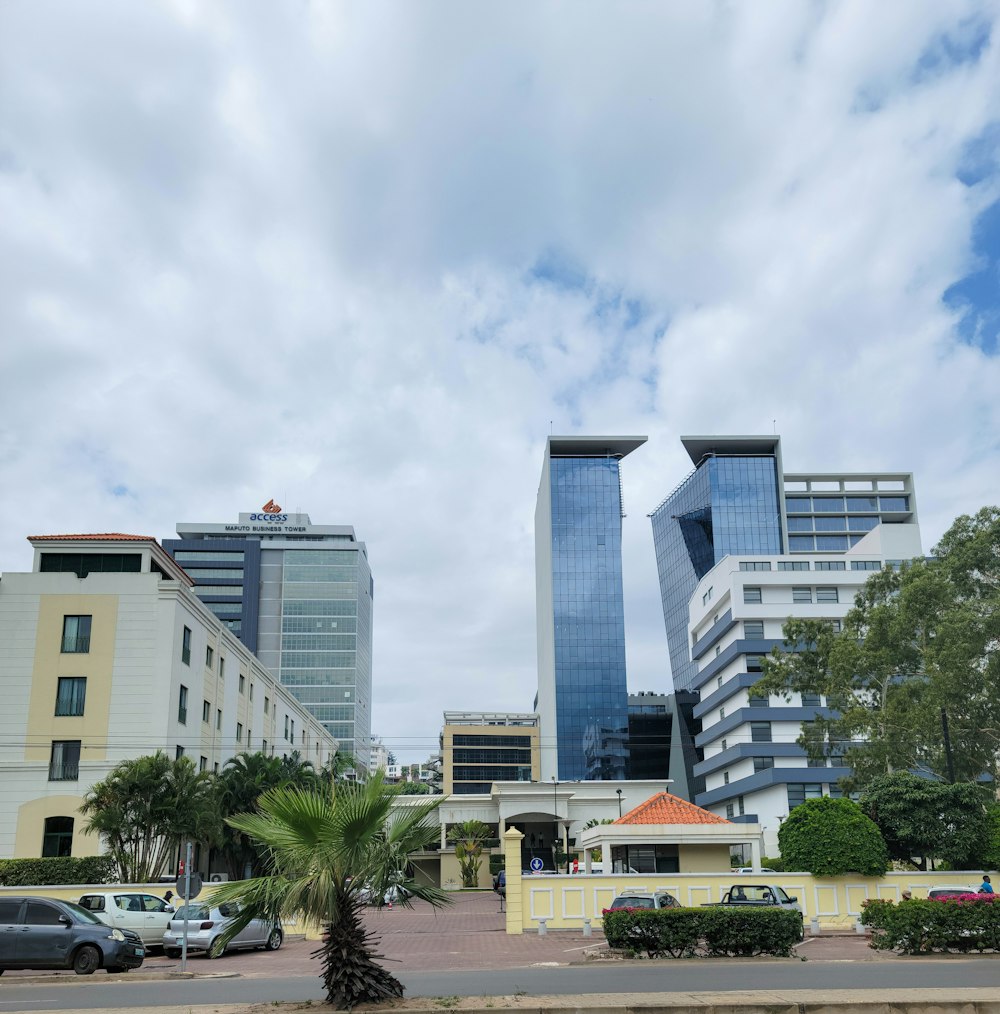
x: 413, y: 789
x: 991, y: 853
x: 146, y: 808
x: 469, y: 839
x: 56, y: 871
x: 920, y: 926
x: 923, y: 820
x: 827, y: 837
x: 327, y: 847
x: 712, y: 931
x: 776, y: 863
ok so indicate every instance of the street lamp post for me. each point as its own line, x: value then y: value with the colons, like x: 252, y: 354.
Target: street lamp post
x: 555, y: 821
x: 619, y: 791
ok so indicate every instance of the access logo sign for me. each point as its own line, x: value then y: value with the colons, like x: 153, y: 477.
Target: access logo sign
x: 270, y: 512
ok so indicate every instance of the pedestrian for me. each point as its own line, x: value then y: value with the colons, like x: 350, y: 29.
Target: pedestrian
x: 986, y: 887
x: 168, y: 896
x: 907, y: 895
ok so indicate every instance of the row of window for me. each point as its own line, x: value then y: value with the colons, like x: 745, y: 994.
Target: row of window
x: 765, y: 565
x: 835, y: 504
x: 754, y: 595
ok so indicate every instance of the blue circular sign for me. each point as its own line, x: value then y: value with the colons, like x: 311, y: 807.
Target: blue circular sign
x: 536, y: 864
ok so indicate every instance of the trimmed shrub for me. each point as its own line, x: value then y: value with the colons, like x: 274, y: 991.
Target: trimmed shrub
x: 829, y: 837
x: 712, y: 931
x: 920, y: 926
x: 57, y: 871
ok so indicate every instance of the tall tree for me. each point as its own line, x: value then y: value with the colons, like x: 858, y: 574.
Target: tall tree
x: 328, y: 846
x: 146, y: 808
x: 242, y: 781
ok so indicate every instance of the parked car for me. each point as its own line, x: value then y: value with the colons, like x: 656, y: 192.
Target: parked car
x: 206, y: 923
x: 644, y: 899
x: 941, y: 892
x: 394, y: 894
x: 48, y: 933
x: 762, y: 895
x: 750, y: 869
x: 145, y: 914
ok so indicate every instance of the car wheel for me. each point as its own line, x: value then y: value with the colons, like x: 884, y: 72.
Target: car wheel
x: 87, y: 960
x: 171, y: 952
x: 274, y: 939
x: 215, y: 949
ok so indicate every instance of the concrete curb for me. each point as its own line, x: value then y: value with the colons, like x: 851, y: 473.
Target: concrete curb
x: 98, y: 980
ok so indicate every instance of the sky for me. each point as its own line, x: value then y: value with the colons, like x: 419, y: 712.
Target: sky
x: 363, y: 258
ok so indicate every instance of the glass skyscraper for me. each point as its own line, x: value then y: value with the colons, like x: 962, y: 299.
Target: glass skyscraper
x: 730, y: 503
x: 299, y: 596
x: 582, y: 697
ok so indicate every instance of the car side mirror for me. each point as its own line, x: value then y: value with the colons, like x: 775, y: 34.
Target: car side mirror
x: 170, y: 908
x: 66, y: 921
x: 793, y: 900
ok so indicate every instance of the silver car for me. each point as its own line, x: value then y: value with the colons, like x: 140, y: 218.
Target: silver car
x: 206, y: 923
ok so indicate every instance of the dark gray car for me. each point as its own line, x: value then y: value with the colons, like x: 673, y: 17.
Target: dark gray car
x: 48, y: 933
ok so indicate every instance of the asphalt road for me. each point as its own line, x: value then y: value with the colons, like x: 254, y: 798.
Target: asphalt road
x: 650, y: 977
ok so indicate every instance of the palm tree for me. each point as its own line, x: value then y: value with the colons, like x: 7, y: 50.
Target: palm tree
x: 242, y: 781
x: 469, y: 838
x: 327, y: 846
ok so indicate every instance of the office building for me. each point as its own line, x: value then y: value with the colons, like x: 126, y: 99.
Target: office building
x: 738, y: 501
x: 299, y: 595
x: 480, y: 748
x: 752, y: 767
x: 106, y: 655
x: 582, y: 700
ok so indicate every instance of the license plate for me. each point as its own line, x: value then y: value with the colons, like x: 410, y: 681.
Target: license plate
x: 140, y: 952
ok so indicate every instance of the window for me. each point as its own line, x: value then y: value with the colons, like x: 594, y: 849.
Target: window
x: 202, y: 763
x: 755, y: 564
x: 58, y: 837
x: 206, y: 712
x: 725, y: 777
x: 828, y: 504
x: 827, y: 595
x: 802, y: 594
x: 286, y: 726
x: 239, y: 732
x: 267, y: 705
x: 243, y: 683
x: 751, y: 595
x: 722, y: 746
x: 251, y: 691
x: 813, y: 762
x: 753, y: 629
x: 291, y: 739
x: 793, y: 565
x: 64, y: 762
x: 263, y: 746
x: 754, y: 663
x: 718, y: 683
x: 800, y: 504
x: 759, y: 701
x: 40, y: 914
x: 218, y: 718
x: 730, y: 810
x: 812, y: 701
x: 836, y: 626
x: 179, y: 752
x: 865, y: 565
x: 893, y: 503
x: 739, y: 804
x: 186, y: 646
x: 76, y: 635
x: 215, y: 767
x: 831, y: 565
x: 182, y: 705
x: 760, y: 732
x: 71, y: 695
x: 722, y: 714
x: 209, y: 656
x: 833, y: 523
x: 249, y: 737
x: 718, y: 650
x: 798, y: 794
x: 707, y: 597
x: 762, y: 763
x: 222, y: 667
x: 862, y: 503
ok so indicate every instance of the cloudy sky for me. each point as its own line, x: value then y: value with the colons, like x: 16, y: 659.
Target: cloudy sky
x: 362, y: 258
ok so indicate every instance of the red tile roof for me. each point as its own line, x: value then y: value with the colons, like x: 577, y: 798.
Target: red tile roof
x: 100, y: 536
x: 663, y: 808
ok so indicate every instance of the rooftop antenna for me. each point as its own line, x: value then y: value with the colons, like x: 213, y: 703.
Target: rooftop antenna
x: 774, y: 426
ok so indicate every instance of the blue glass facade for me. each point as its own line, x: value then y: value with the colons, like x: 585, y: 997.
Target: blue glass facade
x: 728, y: 505
x: 589, y: 618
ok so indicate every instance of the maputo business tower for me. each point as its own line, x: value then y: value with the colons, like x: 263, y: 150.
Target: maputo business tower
x: 299, y: 596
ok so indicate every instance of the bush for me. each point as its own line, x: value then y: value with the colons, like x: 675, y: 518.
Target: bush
x: 57, y: 871
x: 920, y: 926
x: 713, y: 930
x: 776, y: 863
x: 829, y: 837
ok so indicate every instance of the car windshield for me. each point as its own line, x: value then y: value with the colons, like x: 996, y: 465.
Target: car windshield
x: 631, y: 901
x: 81, y: 914
x: 193, y: 913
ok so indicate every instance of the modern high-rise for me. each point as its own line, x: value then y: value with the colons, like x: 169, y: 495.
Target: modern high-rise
x: 737, y: 500
x: 299, y: 596
x: 582, y: 700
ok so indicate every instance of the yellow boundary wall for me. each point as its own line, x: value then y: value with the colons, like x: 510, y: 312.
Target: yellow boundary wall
x: 566, y: 902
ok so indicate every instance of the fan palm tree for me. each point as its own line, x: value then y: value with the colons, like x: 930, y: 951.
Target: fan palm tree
x: 327, y: 847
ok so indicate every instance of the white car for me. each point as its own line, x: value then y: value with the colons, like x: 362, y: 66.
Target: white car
x: 145, y: 914
x: 206, y: 923
x: 750, y: 869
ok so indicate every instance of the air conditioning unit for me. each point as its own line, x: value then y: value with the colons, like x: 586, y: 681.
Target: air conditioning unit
x: 218, y: 878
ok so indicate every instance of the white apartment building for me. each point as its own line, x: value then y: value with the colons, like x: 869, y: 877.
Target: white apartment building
x: 754, y: 770
x: 106, y: 655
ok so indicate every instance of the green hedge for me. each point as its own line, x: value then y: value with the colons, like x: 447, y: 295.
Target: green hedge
x: 711, y: 931
x: 920, y: 926
x: 56, y: 871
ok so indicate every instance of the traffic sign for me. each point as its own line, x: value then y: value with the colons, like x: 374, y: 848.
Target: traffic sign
x: 196, y: 886
x: 536, y: 864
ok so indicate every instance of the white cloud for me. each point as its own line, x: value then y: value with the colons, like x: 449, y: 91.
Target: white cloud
x: 255, y: 250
